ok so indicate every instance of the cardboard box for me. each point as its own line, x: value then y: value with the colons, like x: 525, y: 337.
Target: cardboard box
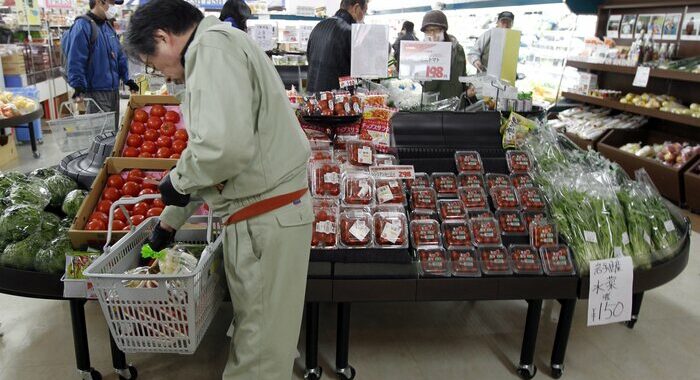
x: 668, y: 180
x: 583, y: 143
x: 692, y: 187
x: 8, y: 152
x: 14, y: 69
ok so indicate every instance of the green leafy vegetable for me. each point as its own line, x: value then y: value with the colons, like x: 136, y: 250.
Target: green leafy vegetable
x: 59, y: 186
x: 72, y: 203
x: 19, y: 221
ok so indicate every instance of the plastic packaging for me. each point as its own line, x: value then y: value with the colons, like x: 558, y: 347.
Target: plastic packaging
x: 421, y: 180
x: 358, y: 189
x: 423, y: 215
x: 504, y: 198
x: 486, y: 232
x: 531, y: 199
x: 360, y: 152
x: 425, y: 232
x: 464, y: 262
x: 325, y: 202
x: 325, y: 228
x: 356, y: 229
x: 495, y: 260
x: 556, y: 260
x: 511, y: 223
x: 470, y: 180
x: 390, y: 191
x: 390, y: 230
x: 423, y: 198
x: 445, y: 184
x: 386, y: 160
x: 325, y: 154
x: 340, y: 156
x: 473, y: 198
x: 325, y: 179
x: 530, y: 216
x: 520, y: 180
x: 432, y: 261
x: 493, y: 180
x: 469, y: 162
x: 518, y: 161
x: 525, y: 260
x: 543, y: 232
x: 451, y: 209
x: 480, y: 214
x: 456, y: 233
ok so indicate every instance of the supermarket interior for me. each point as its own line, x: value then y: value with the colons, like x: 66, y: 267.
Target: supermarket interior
x: 494, y: 189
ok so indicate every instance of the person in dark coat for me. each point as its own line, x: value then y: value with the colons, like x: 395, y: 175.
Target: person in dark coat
x: 330, y: 46
x: 435, y: 28
x: 236, y: 13
x: 407, y: 34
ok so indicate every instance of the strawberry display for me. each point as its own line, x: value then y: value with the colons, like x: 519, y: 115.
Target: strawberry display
x: 557, y: 260
x: 520, y: 180
x: 390, y: 229
x: 469, y: 162
x: 156, y: 132
x: 321, y: 155
x: 423, y: 215
x: 386, y: 160
x: 470, y: 180
x: 433, y: 261
x: 525, y: 259
x: 445, y: 184
x: 504, y: 198
x: 360, y: 152
x: 451, y: 209
x: 390, y: 191
x: 518, y: 161
x: 543, y: 232
x: 531, y: 216
x: 456, y: 234
x: 421, y: 180
x: 473, y: 198
x: 464, y: 262
x: 531, y: 199
x: 358, y: 189
x: 325, y: 228
x: 423, y: 198
x: 325, y: 179
x: 356, y: 229
x: 425, y: 232
x: 494, y: 180
x: 485, y: 232
x: 494, y: 260
x: 480, y: 214
x: 511, y: 223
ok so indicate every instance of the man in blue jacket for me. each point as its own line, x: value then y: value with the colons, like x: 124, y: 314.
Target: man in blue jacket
x: 95, y: 62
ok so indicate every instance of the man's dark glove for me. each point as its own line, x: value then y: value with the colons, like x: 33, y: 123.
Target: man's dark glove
x: 133, y: 87
x: 170, y: 196
x: 160, y: 238
x: 78, y: 92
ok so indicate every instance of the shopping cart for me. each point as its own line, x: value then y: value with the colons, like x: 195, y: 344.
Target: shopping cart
x: 77, y: 131
x: 173, y: 314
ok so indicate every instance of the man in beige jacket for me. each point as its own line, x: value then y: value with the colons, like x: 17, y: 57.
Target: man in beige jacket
x: 247, y: 159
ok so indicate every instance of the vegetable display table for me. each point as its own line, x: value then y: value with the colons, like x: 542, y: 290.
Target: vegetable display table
x: 25, y: 121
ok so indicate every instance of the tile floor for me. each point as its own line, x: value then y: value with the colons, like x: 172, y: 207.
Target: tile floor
x: 441, y: 340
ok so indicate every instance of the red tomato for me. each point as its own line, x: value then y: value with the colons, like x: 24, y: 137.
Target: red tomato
x: 148, y: 147
x: 175, y: 156
x: 136, y: 173
x: 115, y: 180
x: 134, y: 140
x: 140, y: 208
x: 155, y: 211
x: 137, y: 127
x: 154, y: 122
x: 181, y: 134
x: 141, y: 116
x: 168, y: 129
x: 137, y: 219
x: 96, y: 225
x: 130, y: 151
x: 158, y: 203
x: 158, y: 110
x: 127, y: 228
x: 145, y: 155
x: 163, y: 152
x: 172, y: 116
x: 147, y: 192
x: 118, y: 225
x: 101, y: 216
x: 111, y: 194
x: 151, y: 135
x: 179, y: 146
x: 119, y: 215
x: 164, y: 142
x: 103, y: 206
x: 131, y: 188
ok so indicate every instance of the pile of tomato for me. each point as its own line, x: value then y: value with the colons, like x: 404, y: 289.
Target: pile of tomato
x: 155, y: 135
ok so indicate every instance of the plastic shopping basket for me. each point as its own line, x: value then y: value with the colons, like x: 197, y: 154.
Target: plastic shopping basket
x: 77, y: 131
x: 171, y: 317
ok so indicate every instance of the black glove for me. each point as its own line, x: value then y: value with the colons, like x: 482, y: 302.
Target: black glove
x: 160, y: 238
x: 170, y: 196
x: 78, y: 92
x: 133, y: 87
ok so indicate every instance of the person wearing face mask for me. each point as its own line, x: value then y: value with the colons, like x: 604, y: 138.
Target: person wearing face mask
x: 247, y: 158
x: 95, y: 62
x: 407, y: 34
x: 479, y: 53
x: 435, y: 29
x: 330, y: 46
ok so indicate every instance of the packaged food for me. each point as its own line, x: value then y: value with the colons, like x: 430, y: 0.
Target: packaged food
x: 464, y: 262
x: 525, y: 259
x: 432, y: 261
x: 520, y: 180
x: 470, y: 180
x: 322, y: 155
x: 390, y: 191
x: 386, y: 160
x: 356, y: 229
x: 423, y: 198
x: 325, y: 179
x: 445, y: 184
x: 425, y: 232
x: 360, y: 152
x: 469, y: 162
x: 473, y: 198
x: 543, y: 232
x: 511, y: 223
x: 529, y: 216
x: 494, y: 260
x: 421, y: 180
x: 485, y: 232
x: 531, y: 199
x: 477, y: 214
x: 325, y: 228
x: 423, y: 215
x: 556, y: 260
x: 340, y: 156
x: 518, y: 161
x: 390, y: 230
x: 325, y: 202
x: 504, y: 198
x: 451, y: 209
x: 357, y: 189
x: 493, y: 180
x: 456, y: 233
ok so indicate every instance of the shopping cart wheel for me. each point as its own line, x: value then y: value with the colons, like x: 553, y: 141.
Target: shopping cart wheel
x: 347, y: 373
x: 37, y: 154
x: 527, y: 371
x: 313, y: 374
x: 557, y: 373
x: 95, y: 374
x: 127, y: 374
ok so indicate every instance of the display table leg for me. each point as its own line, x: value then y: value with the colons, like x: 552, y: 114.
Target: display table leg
x: 343, y: 369
x: 313, y: 371
x: 80, y: 340
x: 32, y: 140
x: 122, y: 369
x: 636, y: 307
x: 566, y: 317
x: 527, y: 369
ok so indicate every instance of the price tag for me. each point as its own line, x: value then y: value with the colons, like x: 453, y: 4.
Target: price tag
x: 670, y: 227
x: 641, y: 79
x: 425, y: 61
x: 365, y: 188
x: 625, y: 238
x: 365, y: 155
x: 392, y: 232
x: 347, y: 82
x: 359, y: 230
x: 384, y: 194
x: 394, y: 183
x: 325, y: 227
x: 590, y: 236
x: 332, y: 177
x: 610, y: 292
x: 393, y: 172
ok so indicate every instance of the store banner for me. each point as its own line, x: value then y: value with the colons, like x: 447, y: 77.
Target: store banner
x: 425, y: 61
x: 59, y: 4
x: 370, y: 51
x: 610, y: 291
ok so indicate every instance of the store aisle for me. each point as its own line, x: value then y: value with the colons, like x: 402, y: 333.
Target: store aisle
x: 441, y: 340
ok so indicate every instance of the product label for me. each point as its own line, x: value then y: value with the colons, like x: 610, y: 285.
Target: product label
x: 625, y: 238
x: 364, y: 155
x: 670, y: 227
x: 384, y: 194
x: 359, y: 230
x: 471, y: 181
x: 332, y: 177
x: 452, y: 209
x: 469, y: 162
x: 392, y: 231
x: 590, y: 237
x: 394, y: 184
x: 365, y: 189
x: 325, y: 227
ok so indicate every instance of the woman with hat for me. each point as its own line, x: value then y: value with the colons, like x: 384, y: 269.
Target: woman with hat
x: 479, y: 54
x: 435, y: 29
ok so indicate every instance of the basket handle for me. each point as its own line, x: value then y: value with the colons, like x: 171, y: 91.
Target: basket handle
x: 70, y: 105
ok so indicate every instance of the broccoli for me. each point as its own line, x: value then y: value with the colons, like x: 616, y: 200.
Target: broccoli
x: 72, y: 203
x: 59, y: 186
x: 30, y: 193
x: 21, y: 255
x: 19, y: 221
x: 52, y: 258
x: 44, y: 173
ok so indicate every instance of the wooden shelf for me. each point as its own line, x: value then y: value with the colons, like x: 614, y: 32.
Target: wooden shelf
x: 655, y: 73
x: 654, y: 113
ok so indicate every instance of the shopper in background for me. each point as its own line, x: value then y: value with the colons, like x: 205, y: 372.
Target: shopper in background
x: 407, y: 34
x: 236, y: 13
x: 95, y: 61
x: 479, y: 54
x: 435, y: 29
x: 330, y: 46
x: 247, y: 159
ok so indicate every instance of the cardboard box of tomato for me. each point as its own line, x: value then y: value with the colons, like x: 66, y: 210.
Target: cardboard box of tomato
x: 152, y: 129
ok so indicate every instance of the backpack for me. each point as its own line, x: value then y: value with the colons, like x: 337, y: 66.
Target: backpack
x: 95, y: 30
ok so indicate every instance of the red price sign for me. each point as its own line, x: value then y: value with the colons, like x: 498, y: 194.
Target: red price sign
x: 434, y: 72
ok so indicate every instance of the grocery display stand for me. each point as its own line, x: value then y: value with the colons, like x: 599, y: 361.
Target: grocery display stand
x: 25, y: 121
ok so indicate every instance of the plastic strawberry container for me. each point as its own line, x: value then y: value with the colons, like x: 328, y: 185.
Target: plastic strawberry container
x: 494, y: 180
x: 525, y: 260
x: 321, y: 155
x: 469, y: 162
x: 325, y: 179
x: 423, y: 215
x: 423, y: 198
x: 504, y: 198
x: 445, y: 184
x: 385, y: 160
x: 543, y: 232
x: 420, y: 180
x: 390, y: 230
x: 494, y: 260
x: 432, y: 262
x: 470, y: 180
x: 520, y: 180
x: 456, y: 233
x: 464, y: 262
x: 390, y: 191
x: 356, y: 229
x: 325, y: 228
x: 360, y: 152
x: 531, y: 199
x: 511, y: 223
x: 518, y: 161
x: 451, y: 209
x: 425, y: 232
x: 485, y: 232
x: 531, y: 216
x: 556, y: 260
x: 473, y: 198
x: 357, y: 189
x: 480, y: 214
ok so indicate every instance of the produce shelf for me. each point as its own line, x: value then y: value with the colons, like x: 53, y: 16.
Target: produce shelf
x: 629, y: 70
x: 681, y: 119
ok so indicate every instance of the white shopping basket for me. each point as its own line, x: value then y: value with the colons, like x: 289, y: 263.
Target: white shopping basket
x: 77, y: 132
x: 171, y: 317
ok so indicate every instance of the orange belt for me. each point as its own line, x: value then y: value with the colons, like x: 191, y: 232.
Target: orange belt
x: 264, y: 206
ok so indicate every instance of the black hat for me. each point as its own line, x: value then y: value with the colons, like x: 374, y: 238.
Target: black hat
x: 434, y: 18
x: 506, y: 15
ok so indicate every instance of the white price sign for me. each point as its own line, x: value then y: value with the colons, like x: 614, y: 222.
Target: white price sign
x: 393, y: 172
x: 370, y: 51
x: 425, y: 61
x: 262, y: 34
x: 610, y: 292
x: 641, y: 79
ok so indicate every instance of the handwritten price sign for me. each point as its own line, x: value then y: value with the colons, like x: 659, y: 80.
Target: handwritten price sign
x: 435, y: 72
x: 425, y: 61
x: 610, y: 294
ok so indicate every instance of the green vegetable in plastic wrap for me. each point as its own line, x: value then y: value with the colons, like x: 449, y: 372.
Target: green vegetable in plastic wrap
x: 638, y: 226
x: 52, y: 259
x: 50, y: 225
x: 44, y: 173
x: 59, y: 186
x: 515, y: 130
x: 21, y: 255
x: 10, y: 178
x: 19, y: 221
x: 30, y: 193
x: 72, y: 203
